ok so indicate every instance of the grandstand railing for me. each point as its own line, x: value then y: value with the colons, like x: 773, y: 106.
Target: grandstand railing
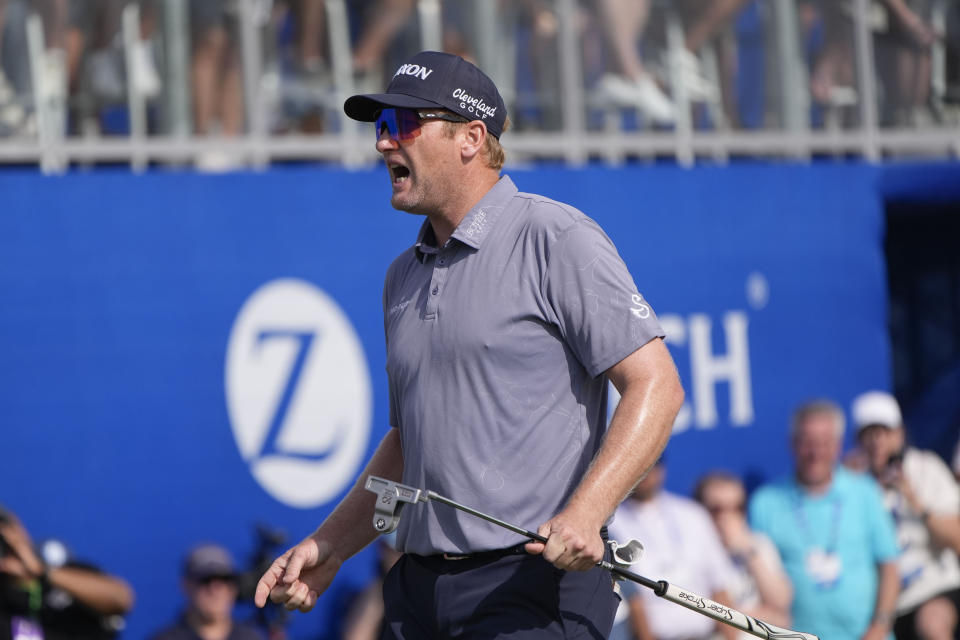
x: 570, y: 121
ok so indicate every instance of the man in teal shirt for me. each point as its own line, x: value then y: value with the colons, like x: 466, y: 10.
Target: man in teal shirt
x: 834, y: 534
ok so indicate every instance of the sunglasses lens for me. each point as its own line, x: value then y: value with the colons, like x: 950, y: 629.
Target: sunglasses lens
x: 401, y: 124
x: 387, y: 118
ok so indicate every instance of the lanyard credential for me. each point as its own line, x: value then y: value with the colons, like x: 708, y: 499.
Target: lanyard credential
x: 801, y: 517
x: 823, y: 564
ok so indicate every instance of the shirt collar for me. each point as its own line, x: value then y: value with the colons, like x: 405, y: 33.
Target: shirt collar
x: 426, y: 241
x: 478, y: 222
x: 476, y: 225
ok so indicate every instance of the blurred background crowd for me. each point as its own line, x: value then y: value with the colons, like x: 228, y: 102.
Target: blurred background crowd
x: 183, y: 80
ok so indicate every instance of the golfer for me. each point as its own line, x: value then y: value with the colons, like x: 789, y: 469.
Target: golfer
x: 504, y: 322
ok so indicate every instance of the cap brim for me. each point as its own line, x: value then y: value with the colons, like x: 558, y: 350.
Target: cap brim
x: 365, y: 107
x: 876, y: 423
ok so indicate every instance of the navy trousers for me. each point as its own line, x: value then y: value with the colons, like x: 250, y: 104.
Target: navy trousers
x: 514, y: 595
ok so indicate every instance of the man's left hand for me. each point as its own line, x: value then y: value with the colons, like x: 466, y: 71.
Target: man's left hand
x: 573, y: 543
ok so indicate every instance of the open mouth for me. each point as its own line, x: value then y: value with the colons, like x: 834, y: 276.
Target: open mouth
x: 399, y: 173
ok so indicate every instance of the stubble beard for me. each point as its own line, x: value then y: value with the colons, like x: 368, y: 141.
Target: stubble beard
x: 418, y: 199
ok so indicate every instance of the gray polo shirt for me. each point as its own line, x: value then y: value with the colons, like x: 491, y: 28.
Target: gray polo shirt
x: 496, y: 348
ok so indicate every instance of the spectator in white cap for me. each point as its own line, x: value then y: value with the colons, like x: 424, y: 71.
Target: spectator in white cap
x: 924, y: 499
x: 210, y: 586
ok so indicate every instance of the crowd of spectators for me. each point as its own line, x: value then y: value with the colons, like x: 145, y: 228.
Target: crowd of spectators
x: 861, y: 549
x: 628, y: 60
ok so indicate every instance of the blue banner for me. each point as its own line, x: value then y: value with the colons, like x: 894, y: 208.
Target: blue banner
x: 183, y: 356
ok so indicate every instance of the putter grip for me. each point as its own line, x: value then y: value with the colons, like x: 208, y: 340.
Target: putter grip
x: 732, y: 617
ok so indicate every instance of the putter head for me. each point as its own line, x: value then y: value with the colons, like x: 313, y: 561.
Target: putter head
x: 627, y: 554
x: 391, y: 496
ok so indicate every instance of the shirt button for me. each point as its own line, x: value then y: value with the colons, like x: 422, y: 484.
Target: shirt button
x: 435, y: 291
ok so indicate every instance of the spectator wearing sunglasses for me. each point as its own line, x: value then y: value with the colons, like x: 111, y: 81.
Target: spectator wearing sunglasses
x: 762, y: 588
x: 504, y: 322
x: 210, y: 586
x: 682, y: 547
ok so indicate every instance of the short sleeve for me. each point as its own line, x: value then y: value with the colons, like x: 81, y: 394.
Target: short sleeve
x: 595, y: 302
x: 937, y: 489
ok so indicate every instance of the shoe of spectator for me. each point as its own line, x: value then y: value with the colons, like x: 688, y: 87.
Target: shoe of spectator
x: 653, y: 101
x: 217, y: 161
x: 105, y: 78
x: 642, y: 94
x: 699, y: 89
x: 842, y: 96
x: 146, y: 80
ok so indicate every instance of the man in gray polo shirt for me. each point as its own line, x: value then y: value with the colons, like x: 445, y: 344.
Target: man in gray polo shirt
x: 503, y: 324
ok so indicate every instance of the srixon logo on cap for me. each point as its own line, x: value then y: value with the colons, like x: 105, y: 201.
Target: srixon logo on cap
x: 413, y: 70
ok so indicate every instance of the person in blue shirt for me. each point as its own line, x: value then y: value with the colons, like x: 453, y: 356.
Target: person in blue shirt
x: 835, y: 536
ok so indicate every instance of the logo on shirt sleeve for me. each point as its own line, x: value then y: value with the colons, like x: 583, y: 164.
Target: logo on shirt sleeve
x: 640, y: 308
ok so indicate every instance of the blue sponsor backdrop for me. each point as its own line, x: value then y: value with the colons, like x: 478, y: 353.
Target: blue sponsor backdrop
x: 118, y: 295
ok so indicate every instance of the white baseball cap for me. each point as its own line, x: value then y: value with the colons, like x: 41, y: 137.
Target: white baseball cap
x: 876, y: 407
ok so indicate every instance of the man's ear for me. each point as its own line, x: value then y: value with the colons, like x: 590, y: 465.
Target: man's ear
x: 474, y: 134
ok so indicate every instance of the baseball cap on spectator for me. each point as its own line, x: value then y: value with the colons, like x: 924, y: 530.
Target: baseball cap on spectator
x: 209, y: 561
x: 876, y: 408
x: 435, y: 80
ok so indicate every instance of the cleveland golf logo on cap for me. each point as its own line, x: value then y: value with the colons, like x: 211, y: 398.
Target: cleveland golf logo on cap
x: 474, y: 105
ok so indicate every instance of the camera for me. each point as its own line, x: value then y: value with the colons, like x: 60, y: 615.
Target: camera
x: 272, y: 618
x: 895, y: 461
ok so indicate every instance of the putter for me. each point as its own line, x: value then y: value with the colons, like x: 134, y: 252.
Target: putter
x: 392, y: 496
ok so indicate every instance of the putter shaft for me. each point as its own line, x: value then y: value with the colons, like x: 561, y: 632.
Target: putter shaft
x: 506, y: 525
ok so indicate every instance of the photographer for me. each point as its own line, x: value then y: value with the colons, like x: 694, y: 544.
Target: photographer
x: 40, y: 601
x: 210, y: 585
x: 924, y: 499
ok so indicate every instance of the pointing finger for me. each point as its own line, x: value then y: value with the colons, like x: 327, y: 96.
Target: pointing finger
x: 269, y: 580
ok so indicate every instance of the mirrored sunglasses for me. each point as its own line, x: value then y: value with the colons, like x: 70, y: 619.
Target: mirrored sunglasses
x: 404, y: 124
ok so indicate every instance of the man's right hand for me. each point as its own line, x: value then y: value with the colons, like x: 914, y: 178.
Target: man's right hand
x: 298, y: 577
